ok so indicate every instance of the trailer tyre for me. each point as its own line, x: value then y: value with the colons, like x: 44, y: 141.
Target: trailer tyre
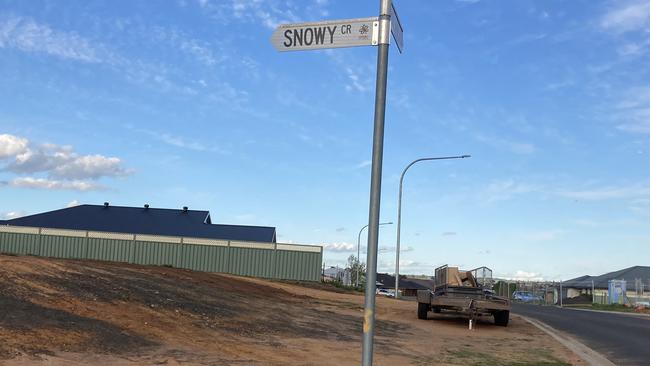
x: 501, y: 318
x: 423, y: 309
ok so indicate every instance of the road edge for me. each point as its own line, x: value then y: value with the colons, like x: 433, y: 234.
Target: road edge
x: 587, y: 354
x: 609, y: 312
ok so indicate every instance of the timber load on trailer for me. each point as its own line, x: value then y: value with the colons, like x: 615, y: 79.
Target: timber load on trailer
x: 464, y: 292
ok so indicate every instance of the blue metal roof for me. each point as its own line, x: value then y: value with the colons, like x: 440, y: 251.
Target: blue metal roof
x: 602, y: 281
x: 152, y: 221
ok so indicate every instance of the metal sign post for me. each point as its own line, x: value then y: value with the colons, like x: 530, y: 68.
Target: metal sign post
x: 350, y: 33
x: 375, y: 182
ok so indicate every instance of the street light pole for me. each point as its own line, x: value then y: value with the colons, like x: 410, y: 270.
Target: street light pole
x: 359, y: 249
x: 399, y: 211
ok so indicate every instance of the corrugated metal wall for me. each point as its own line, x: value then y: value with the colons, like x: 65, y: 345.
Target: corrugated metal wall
x: 267, y: 260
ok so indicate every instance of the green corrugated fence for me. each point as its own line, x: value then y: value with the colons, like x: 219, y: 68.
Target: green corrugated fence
x: 266, y: 260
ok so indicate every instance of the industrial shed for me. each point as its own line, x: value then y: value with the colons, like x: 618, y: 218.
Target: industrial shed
x: 181, y: 238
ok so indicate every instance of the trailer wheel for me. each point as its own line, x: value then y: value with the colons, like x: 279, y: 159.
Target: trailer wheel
x: 501, y: 318
x: 437, y: 310
x: 423, y: 309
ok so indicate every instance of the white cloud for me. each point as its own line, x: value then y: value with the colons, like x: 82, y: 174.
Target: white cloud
x: 207, y: 53
x: 406, y: 266
x: 27, y: 35
x: 179, y: 141
x: 61, y: 161
x: 628, y: 16
x: 506, y: 189
x: 360, y: 76
x: 641, y: 206
x: 12, y: 215
x: 339, y: 247
x: 73, y: 203
x: 202, y: 52
x: 501, y: 190
x: 610, y: 192
x: 392, y: 249
x: 634, y: 111
x: 11, y: 146
x: 90, y: 166
x: 542, y: 235
x: 634, y: 48
x: 268, y: 13
x: 356, y: 84
x: 42, y: 183
x: 524, y: 276
x: 522, y: 148
x: 363, y: 164
x: 71, y: 169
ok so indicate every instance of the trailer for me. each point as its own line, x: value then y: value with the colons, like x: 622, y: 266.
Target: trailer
x: 464, y: 292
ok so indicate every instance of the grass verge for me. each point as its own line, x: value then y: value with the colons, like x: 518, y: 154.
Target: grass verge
x: 539, y: 357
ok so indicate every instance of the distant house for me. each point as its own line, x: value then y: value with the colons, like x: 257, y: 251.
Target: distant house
x: 333, y: 274
x: 144, y: 220
x: 408, y: 286
x: 637, y: 282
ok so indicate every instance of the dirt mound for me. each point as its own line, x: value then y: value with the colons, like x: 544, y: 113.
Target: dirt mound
x: 67, y: 312
x: 75, y: 306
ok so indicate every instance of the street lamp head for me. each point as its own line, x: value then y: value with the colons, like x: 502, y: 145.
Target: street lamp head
x: 465, y: 156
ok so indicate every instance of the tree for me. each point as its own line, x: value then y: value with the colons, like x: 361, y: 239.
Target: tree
x: 355, y: 266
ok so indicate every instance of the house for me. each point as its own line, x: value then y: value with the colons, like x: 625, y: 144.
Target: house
x: 144, y: 220
x: 636, y: 280
x: 408, y: 286
x: 334, y: 274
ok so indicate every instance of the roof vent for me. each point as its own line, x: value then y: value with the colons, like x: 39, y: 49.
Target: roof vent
x: 105, y: 204
x: 146, y: 206
x: 184, y: 208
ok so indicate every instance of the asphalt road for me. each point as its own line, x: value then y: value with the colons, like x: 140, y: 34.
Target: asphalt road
x: 623, y: 339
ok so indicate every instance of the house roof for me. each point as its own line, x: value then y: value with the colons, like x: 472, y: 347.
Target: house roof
x: 334, y: 271
x: 601, y: 282
x: 388, y: 281
x: 151, y: 221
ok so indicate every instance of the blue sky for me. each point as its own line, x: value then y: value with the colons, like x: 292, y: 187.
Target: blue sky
x: 187, y: 103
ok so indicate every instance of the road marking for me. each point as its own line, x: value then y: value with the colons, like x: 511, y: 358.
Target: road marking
x: 590, y: 356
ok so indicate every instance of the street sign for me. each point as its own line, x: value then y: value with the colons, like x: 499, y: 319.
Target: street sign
x: 396, y: 28
x: 327, y: 34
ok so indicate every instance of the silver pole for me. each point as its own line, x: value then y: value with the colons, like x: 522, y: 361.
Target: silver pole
x: 593, y: 296
x: 399, y: 212
x: 359, y: 249
x: 375, y: 183
x: 359, y: 253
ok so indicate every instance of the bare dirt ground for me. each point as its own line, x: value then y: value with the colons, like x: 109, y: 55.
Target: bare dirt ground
x: 66, y: 312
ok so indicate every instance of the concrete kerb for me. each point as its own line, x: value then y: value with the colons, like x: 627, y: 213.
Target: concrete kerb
x: 609, y: 312
x: 590, y: 356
